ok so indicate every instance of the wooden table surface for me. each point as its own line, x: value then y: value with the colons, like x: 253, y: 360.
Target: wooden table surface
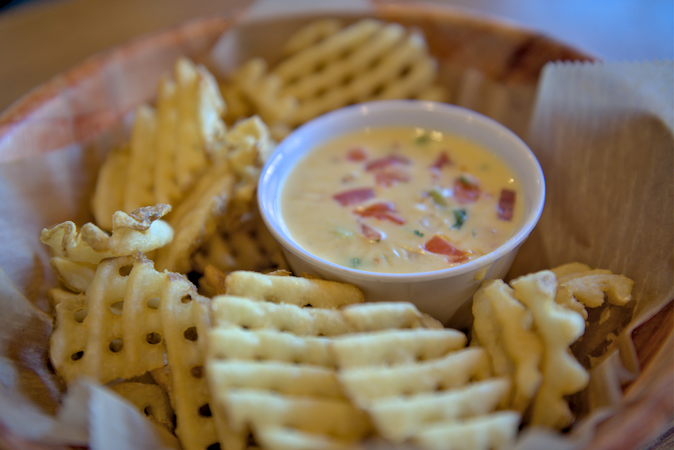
x: 40, y: 38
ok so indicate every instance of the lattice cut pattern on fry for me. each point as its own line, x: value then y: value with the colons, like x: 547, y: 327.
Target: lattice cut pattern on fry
x: 580, y: 287
x: 328, y: 66
x: 150, y: 400
x: 271, y: 370
x: 413, y: 381
x: 183, y: 312
x: 558, y: 328
x: 505, y: 328
x: 113, y: 330
x: 292, y: 290
x: 138, y: 231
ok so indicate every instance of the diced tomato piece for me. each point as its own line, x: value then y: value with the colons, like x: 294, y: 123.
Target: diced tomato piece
x: 386, y: 161
x: 388, y: 178
x: 381, y: 211
x: 466, y: 192
x: 354, y: 196
x: 370, y: 232
x: 506, y: 204
x: 439, y: 245
x: 356, y: 154
x: 442, y: 161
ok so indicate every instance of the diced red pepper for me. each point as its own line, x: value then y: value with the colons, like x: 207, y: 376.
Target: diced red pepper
x: 442, y: 161
x: 370, y: 232
x: 354, y: 196
x: 388, y: 178
x: 439, y: 245
x: 386, y: 161
x: 506, y: 204
x: 356, y: 154
x: 465, y: 191
x: 381, y: 211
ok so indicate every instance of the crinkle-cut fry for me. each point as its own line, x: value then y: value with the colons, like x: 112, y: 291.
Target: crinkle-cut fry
x: 166, y: 189
x: 282, y: 438
x: 311, y: 34
x: 150, y: 400
x: 455, y: 369
x: 558, y: 328
x: 139, y: 231
x: 496, y: 431
x: 257, y: 409
x: 399, y: 418
x: 504, y: 327
x: 190, y: 155
x: 109, y: 191
x: 264, y: 345
x: 110, y: 332
x: 195, y: 220
x: 394, y: 347
x: 180, y: 318
x: 292, y: 290
x: 76, y: 276
x: 138, y: 191
x: 285, y: 378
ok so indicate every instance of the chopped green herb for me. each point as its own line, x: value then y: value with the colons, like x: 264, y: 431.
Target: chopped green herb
x: 355, y: 262
x: 342, y: 232
x: 437, y: 197
x: 474, y: 232
x: 418, y: 233
x: 422, y: 139
x: 484, y: 167
x: 459, y: 218
x: 465, y: 180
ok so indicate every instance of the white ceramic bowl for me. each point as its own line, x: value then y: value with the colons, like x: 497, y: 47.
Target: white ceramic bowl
x: 439, y: 293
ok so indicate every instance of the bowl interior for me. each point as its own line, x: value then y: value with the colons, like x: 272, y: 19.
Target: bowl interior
x: 428, y: 115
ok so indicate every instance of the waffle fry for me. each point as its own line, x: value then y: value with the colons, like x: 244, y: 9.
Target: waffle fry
x: 494, y: 431
x: 138, y: 191
x: 558, y: 327
x: 150, y: 400
x: 504, y: 327
x: 413, y: 383
x: 182, y: 314
x: 582, y: 287
x: 268, y: 361
x: 109, y: 191
x: 139, y: 231
x: 292, y: 290
x: 328, y: 66
x: 400, y: 418
x: 196, y: 218
x: 113, y: 330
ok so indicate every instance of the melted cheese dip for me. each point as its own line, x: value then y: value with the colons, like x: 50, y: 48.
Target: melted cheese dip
x: 401, y: 200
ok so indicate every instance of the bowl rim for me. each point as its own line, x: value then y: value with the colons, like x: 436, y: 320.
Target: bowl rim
x: 292, y: 143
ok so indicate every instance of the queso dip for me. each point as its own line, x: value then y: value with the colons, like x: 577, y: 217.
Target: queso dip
x: 401, y: 200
